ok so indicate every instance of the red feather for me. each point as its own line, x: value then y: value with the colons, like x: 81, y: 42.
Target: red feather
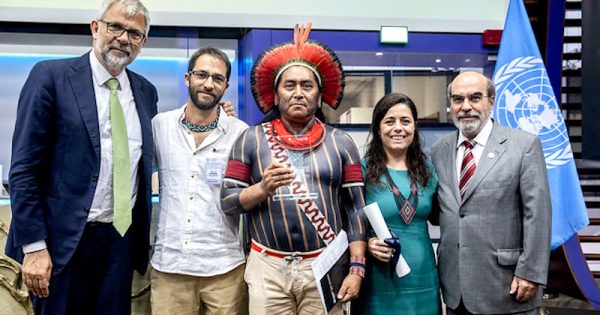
x: 315, y: 54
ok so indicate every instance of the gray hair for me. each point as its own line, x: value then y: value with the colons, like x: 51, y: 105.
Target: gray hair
x: 491, y: 88
x: 130, y: 7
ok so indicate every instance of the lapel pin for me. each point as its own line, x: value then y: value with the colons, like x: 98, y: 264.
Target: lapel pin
x: 491, y: 155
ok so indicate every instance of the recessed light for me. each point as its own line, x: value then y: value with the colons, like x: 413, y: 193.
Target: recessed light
x: 379, y: 54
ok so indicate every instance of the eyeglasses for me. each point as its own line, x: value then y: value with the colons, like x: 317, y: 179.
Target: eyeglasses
x: 117, y: 30
x: 474, y: 98
x: 202, y: 76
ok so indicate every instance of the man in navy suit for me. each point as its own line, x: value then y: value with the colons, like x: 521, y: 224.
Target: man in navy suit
x: 61, y: 177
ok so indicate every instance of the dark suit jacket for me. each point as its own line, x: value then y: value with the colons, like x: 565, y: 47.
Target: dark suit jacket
x: 56, y: 160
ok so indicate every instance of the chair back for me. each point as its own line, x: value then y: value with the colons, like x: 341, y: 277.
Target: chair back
x: 14, y: 296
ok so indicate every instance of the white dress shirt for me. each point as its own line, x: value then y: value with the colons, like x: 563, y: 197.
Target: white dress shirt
x: 480, y: 140
x: 101, y: 209
x: 194, y: 236
x: 102, y: 204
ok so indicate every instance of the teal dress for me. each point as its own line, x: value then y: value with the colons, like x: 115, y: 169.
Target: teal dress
x: 417, y: 292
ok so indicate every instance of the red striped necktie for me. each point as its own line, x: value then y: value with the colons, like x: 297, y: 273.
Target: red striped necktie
x: 467, y: 168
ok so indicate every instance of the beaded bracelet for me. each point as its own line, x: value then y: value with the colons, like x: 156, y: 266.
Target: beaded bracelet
x: 357, y: 265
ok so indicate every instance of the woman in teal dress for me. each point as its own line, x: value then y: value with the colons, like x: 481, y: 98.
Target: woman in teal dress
x: 394, y: 151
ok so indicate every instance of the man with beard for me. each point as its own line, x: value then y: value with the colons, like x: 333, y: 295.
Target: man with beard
x: 291, y: 225
x: 495, y: 211
x: 198, y: 261
x: 81, y: 169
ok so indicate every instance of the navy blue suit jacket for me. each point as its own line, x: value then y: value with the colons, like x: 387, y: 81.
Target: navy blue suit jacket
x: 56, y: 160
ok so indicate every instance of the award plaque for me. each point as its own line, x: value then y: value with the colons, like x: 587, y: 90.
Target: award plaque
x: 303, y: 186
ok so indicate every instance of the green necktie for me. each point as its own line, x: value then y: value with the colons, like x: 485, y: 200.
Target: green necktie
x: 121, y: 170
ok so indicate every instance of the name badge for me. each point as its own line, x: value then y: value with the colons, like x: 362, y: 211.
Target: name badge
x: 214, y: 171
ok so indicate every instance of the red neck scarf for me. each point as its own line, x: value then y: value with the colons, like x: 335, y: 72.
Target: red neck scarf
x: 313, y: 138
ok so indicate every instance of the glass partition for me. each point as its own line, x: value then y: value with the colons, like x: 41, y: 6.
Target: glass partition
x: 424, y: 77
x: 163, y: 61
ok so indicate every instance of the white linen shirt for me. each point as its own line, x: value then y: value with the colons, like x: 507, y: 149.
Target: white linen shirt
x: 480, y: 140
x: 193, y: 235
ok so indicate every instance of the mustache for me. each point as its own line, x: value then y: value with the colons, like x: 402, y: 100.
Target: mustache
x: 207, y: 92
x: 467, y: 115
x: 119, y: 46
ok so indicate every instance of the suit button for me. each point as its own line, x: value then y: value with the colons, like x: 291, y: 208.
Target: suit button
x: 462, y: 215
x: 94, y: 177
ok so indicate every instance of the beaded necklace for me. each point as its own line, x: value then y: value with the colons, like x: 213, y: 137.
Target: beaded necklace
x: 202, y: 128
x: 407, y: 207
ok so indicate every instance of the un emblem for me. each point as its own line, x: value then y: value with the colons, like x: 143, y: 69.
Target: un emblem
x: 525, y: 100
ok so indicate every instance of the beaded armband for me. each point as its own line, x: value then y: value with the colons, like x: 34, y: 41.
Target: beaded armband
x: 357, y: 265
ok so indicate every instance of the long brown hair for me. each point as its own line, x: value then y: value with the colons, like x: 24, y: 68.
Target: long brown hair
x: 375, y: 155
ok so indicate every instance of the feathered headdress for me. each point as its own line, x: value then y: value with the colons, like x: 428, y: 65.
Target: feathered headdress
x: 317, y: 57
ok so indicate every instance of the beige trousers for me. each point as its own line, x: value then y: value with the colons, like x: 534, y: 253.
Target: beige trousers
x: 282, y: 286
x: 224, y: 294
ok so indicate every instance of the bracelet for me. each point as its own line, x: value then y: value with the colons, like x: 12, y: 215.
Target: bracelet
x: 357, y: 266
x: 358, y: 271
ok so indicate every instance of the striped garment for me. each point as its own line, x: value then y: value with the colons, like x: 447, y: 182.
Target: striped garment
x: 334, y: 174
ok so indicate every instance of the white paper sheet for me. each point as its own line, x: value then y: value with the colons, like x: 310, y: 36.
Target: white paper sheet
x: 381, y: 230
x: 325, y: 261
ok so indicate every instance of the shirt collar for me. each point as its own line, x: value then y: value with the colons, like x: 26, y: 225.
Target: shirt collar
x: 481, y: 138
x: 101, y: 75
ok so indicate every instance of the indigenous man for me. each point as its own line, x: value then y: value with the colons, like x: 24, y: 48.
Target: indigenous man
x: 289, y: 227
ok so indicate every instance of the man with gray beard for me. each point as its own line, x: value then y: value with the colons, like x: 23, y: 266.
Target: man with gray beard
x: 81, y: 169
x: 495, y: 212
x: 198, y: 261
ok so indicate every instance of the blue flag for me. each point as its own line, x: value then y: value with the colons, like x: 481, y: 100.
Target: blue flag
x: 525, y: 100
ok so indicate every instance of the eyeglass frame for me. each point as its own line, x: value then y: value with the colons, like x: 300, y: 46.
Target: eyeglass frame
x: 469, y: 97
x: 130, y: 32
x: 215, y: 77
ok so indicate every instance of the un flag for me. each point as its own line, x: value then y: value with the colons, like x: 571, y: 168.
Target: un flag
x: 525, y: 100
